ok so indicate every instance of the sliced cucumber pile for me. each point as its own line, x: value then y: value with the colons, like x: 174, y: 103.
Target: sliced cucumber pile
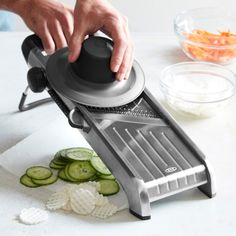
x: 74, y: 165
x: 37, y: 176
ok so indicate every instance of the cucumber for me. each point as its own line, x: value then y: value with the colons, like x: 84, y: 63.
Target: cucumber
x: 69, y: 178
x: 63, y: 152
x: 56, y: 166
x: 38, y: 172
x: 52, y: 179
x: 27, y: 181
x: 81, y: 170
x: 59, y: 159
x: 93, y: 178
x: 79, y: 154
x: 61, y: 174
x: 112, y: 177
x: 108, y: 187
x: 99, y: 166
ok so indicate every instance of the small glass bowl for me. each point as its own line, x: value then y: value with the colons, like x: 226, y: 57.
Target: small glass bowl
x: 197, y: 89
x: 207, y: 34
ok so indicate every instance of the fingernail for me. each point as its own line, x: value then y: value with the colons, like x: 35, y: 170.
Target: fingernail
x: 126, y: 76
x: 70, y: 57
x: 48, y: 51
x: 122, y: 76
x: 118, y: 77
x: 116, y: 68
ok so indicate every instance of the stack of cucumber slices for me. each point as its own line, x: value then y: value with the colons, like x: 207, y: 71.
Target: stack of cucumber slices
x: 74, y: 165
x: 38, y: 176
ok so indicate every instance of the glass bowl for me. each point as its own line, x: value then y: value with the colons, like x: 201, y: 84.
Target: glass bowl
x: 197, y: 89
x: 207, y: 34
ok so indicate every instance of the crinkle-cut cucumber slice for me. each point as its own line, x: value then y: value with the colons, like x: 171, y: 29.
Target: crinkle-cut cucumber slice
x: 38, y: 172
x: 52, y: 179
x: 27, y: 181
x: 81, y: 170
x: 99, y: 166
x: 108, y: 187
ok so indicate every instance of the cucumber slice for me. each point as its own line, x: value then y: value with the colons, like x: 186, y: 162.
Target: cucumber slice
x: 81, y: 170
x: 63, y: 152
x: 56, y: 166
x: 61, y: 174
x: 52, y: 179
x: 69, y: 178
x: 59, y: 163
x: 38, y: 172
x: 79, y: 154
x: 99, y: 166
x: 27, y: 181
x: 112, y: 177
x: 59, y: 159
x: 108, y: 187
x: 93, y: 178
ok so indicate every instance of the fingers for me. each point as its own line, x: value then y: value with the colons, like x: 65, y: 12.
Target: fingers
x: 122, y: 57
x: 118, y: 49
x: 127, y: 62
x: 75, y: 44
x: 57, y: 33
x: 61, y: 30
x: 66, y: 21
x: 47, y: 40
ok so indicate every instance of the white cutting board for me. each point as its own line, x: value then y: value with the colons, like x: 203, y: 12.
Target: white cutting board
x: 39, y: 149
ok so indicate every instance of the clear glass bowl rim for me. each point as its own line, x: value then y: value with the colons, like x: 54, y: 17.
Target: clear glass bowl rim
x: 170, y: 90
x: 180, y: 33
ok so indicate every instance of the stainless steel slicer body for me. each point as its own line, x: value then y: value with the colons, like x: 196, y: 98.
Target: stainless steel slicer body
x: 145, y: 149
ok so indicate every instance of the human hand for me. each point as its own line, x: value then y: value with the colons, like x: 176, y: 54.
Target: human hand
x: 93, y: 15
x: 52, y: 21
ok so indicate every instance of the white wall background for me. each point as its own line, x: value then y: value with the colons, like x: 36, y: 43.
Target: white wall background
x: 152, y: 15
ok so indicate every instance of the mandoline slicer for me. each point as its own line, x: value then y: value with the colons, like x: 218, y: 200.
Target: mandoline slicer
x: 145, y: 149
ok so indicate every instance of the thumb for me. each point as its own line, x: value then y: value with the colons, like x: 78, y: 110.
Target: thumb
x: 75, y: 44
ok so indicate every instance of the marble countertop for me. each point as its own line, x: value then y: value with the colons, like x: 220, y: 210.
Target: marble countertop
x: 188, y: 213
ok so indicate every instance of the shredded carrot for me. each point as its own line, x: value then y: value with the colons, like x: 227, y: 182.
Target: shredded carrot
x: 210, y: 47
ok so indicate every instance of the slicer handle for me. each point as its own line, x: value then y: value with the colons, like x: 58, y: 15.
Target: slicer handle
x: 32, y: 49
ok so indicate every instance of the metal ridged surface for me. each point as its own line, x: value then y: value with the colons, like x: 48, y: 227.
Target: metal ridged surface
x: 153, y: 151
x: 195, y: 176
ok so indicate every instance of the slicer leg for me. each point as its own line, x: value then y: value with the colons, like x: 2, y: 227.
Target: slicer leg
x: 209, y: 187
x: 206, y: 189
x: 139, y: 204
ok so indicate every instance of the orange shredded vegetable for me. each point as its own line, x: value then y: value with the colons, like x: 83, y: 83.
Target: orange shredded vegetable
x: 206, y: 46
